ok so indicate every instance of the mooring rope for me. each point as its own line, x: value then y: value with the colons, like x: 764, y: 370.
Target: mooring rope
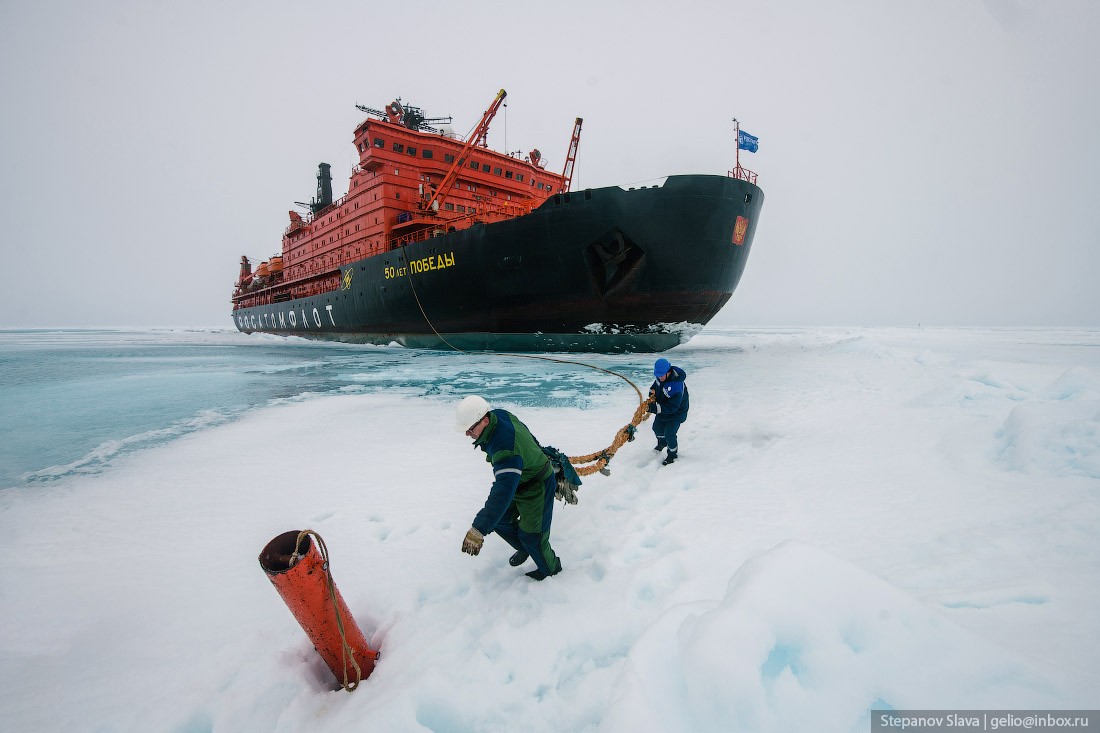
x: 348, y: 652
x: 597, y: 461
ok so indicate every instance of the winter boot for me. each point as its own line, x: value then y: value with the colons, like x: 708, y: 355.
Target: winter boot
x: 537, y: 574
x: 518, y: 559
x: 670, y: 458
x: 661, y: 445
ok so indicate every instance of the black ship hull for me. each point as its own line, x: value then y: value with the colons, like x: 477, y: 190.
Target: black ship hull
x: 595, y: 270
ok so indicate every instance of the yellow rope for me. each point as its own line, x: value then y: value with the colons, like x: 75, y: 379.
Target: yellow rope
x: 626, y: 434
x: 348, y: 652
x: 599, y: 459
x: 602, y: 458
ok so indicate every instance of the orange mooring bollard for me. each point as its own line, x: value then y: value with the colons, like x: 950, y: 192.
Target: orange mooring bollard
x: 299, y: 569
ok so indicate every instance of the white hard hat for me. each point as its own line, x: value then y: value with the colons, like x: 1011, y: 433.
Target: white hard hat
x: 469, y: 411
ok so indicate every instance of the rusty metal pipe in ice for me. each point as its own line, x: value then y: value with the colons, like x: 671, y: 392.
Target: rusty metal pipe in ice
x: 297, y: 564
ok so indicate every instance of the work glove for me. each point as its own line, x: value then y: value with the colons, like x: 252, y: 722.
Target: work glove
x: 652, y: 407
x: 471, y: 545
x: 566, y: 492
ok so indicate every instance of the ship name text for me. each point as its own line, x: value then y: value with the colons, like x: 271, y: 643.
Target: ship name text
x: 423, y: 264
x: 283, y: 319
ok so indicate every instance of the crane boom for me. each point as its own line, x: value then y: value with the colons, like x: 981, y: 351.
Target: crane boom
x: 475, y: 138
x: 571, y: 157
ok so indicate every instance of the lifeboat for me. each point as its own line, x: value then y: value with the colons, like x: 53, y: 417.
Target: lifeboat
x: 263, y: 270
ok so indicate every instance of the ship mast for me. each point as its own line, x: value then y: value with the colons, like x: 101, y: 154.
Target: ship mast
x: 737, y: 144
x: 571, y: 157
x: 433, y: 204
x: 738, y: 172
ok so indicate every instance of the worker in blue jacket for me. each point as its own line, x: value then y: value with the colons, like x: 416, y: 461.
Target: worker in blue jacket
x: 670, y: 406
x: 520, y: 506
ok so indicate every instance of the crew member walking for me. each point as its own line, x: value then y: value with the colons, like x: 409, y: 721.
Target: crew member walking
x: 520, y: 505
x: 670, y: 406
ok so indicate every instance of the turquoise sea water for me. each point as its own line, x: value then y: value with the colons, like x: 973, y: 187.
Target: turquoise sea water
x: 73, y: 401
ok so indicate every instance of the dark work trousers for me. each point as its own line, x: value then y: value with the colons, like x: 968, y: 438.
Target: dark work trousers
x: 665, y: 429
x: 535, y: 544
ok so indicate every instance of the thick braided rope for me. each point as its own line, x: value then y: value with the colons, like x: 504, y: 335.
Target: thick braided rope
x: 602, y: 458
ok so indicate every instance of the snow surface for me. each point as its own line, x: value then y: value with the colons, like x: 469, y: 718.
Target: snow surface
x: 859, y: 520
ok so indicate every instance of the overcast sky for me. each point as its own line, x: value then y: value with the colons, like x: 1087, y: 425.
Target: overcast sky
x: 933, y: 162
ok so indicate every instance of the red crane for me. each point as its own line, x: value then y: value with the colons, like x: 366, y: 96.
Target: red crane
x: 475, y: 138
x: 571, y: 157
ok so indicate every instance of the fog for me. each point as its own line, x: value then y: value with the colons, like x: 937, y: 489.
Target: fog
x: 928, y: 162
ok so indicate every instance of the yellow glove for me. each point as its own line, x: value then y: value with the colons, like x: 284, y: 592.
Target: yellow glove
x: 473, y: 542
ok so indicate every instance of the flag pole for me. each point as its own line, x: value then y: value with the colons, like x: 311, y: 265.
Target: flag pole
x: 737, y: 142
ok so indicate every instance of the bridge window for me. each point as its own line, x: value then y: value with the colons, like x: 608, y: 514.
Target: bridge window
x: 412, y: 151
x: 496, y: 171
x: 473, y: 164
x: 484, y: 167
x: 507, y: 174
x: 448, y: 158
x: 398, y: 148
x: 426, y: 153
x: 519, y: 177
x: 461, y: 209
x: 448, y: 207
x: 379, y: 142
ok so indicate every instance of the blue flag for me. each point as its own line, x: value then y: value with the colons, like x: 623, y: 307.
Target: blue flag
x: 748, y: 142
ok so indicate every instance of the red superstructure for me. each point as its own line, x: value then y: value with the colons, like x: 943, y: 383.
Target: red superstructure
x: 412, y: 182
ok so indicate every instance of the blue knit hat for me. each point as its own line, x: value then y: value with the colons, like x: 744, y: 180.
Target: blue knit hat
x: 661, y: 367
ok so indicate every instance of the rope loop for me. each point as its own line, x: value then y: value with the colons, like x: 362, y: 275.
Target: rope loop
x: 347, y: 652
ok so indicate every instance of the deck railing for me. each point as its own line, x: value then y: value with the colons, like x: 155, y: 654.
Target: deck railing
x: 319, y: 282
x: 743, y: 174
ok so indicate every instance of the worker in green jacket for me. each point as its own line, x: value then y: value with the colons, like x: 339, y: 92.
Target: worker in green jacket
x: 520, y: 505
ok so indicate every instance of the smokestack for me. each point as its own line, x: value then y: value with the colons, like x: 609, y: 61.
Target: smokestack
x: 324, y: 187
